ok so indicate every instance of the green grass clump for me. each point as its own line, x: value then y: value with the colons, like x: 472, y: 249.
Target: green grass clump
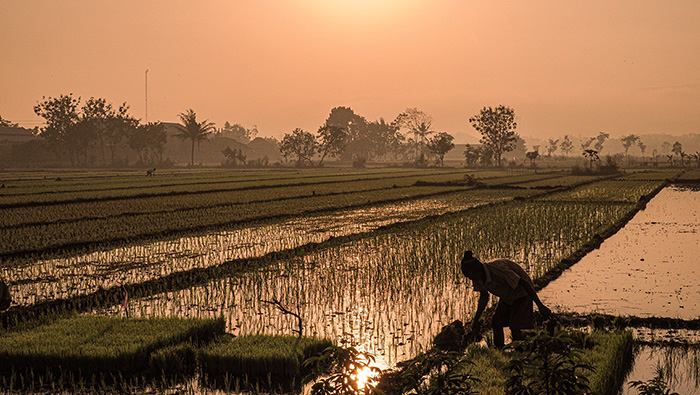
x: 609, y: 353
x: 85, y: 346
x: 258, y: 361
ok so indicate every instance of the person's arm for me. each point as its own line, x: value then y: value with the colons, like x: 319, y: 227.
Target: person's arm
x: 483, y: 301
x: 531, y: 292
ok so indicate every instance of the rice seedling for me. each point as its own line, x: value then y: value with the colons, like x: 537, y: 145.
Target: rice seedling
x: 271, y: 363
x: 89, y: 347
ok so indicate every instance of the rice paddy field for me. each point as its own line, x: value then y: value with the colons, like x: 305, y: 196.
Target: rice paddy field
x: 365, y: 258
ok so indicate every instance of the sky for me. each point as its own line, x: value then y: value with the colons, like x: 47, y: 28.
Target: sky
x: 565, y: 67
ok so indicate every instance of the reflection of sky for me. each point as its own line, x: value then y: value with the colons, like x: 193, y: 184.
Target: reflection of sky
x: 66, y: 277
x: 649, y: 268
x: 680, y: 367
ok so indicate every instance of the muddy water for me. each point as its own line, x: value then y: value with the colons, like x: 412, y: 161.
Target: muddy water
x: 649, y: 268
x: 680, y: 367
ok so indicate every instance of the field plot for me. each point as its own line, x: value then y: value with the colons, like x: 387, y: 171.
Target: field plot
x: 649, y: 268
x: 392, y: 292
x: 608, y: 191
x: 366, y: 259
x: 36, y: 280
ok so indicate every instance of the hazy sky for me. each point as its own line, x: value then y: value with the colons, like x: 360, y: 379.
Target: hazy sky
x: 576, y: 67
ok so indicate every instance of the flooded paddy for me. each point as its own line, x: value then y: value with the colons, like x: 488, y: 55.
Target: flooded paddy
x: 680, y: 367
x: 46, y: 279
x: 648, y: 268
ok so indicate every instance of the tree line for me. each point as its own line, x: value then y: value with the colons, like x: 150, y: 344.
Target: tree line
x: 97, y: 132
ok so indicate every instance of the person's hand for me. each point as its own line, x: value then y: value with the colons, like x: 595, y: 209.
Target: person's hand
x: 476, y: 325
x: 545, y: 311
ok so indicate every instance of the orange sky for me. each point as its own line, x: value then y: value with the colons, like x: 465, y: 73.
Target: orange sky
x: 576, y: 67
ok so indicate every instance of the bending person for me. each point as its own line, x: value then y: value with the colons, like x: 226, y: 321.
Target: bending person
x: 515, y: 291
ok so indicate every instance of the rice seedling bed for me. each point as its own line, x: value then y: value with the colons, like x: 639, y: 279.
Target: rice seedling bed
x: 95, y: 181
x: 690, y: 175
x: 651, y: 175
x: 81, y: 347
x: 389, y: 293
x: 35, y: 279
x: 607, y: 191
x: 43, y: 237
x: 564, y: 181
x: 258, y: 362
x: 199, y: 186
x: 45, y: 215
x: 522, y: 178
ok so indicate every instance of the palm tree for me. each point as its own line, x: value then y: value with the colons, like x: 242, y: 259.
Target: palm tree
x: 194, y: 131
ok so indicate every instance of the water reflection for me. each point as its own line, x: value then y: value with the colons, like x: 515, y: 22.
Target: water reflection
x: 45, y: 279
x: 649, y: 268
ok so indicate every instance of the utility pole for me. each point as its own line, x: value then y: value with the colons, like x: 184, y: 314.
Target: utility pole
x: 146, y: 95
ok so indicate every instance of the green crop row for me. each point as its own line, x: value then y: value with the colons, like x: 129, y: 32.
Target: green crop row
x: 41, y: 279
x: 61, y: 235
x: 108, y: 208
x: 609, y: 190
x: 564, y: 181
x: 96, y: 181
x: 391, y: 290
x: 203, y: 186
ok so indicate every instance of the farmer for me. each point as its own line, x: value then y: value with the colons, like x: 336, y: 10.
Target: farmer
x: 5, y: 298
x: 514, y: 289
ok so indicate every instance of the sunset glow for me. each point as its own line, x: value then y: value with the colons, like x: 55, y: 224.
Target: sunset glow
x: 566, y: 67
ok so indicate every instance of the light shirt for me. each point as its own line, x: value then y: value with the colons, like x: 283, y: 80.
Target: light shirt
x: 502, y: 277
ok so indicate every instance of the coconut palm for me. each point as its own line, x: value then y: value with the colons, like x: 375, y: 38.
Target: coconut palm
x: 194, y: 131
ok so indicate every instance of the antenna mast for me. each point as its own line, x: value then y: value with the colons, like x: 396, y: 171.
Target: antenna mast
x: 146, y: 95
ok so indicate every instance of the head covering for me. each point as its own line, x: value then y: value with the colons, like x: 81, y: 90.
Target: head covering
x: 468, y: 263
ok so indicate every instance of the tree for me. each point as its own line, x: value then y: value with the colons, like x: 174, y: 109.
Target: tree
x: 585, y: 144
x: 592, y: 156
x: 358, y: 145
x: 148, y: 141
x: 628, y: 141
x: 666, y: 147
x: 566, y: 146
x: 497, y: 128
x: 61, y: 115
x: 552, y: 146
x: 6, y: 123
x: 300, y: 144
x: 418, y: 123
x: 440, y: 145
x: 677, y: 148
x: 532, y: 155
x: 234, y: 157
x: 600, y: 141
x: 332, y: 141
x: 642, y: 147
x: 471, y: 155
x: 194, y: 131
x: 238, y: 132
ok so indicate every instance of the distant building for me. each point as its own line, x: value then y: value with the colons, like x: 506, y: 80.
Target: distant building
x: 209, y: 152
x: 15, y: 135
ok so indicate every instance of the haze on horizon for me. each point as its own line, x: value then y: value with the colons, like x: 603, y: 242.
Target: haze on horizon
x: 566, y: 67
